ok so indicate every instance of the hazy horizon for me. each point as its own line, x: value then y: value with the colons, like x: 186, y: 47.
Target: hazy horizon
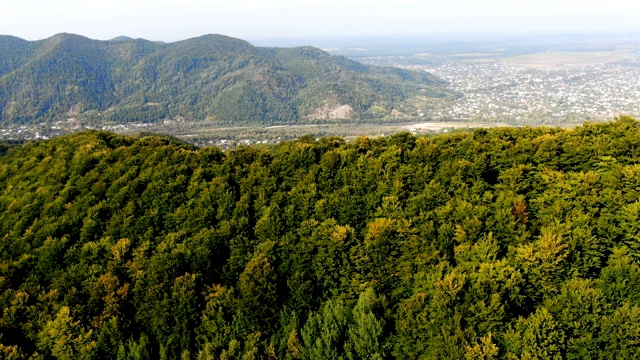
x: 395, y: 40
x: 164, y: 20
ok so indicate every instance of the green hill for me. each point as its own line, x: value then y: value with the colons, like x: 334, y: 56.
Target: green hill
x: 213, y: 77
x: 507, y: 243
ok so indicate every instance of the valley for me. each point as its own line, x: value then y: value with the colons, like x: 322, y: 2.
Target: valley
x: 491, y: 83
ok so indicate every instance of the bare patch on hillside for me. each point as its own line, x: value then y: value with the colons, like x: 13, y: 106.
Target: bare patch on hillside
x: 333, y: 112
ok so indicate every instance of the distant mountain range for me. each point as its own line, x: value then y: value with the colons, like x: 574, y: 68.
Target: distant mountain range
x: 210, y: 78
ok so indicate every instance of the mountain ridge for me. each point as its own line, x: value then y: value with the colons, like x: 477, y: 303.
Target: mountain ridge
x: 212, y: 77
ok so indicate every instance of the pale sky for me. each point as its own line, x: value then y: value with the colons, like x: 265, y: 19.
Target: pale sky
x: 171, y: 20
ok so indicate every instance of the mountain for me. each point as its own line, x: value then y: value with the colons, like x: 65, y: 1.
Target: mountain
x: 506, y: 243
x: 122, y: 38
x: 213, y: 77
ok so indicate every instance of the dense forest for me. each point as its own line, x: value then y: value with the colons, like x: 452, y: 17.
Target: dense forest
x: 508, y: 243
x: 214, y: 78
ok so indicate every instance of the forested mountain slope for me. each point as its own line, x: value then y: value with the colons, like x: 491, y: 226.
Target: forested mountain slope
x: 506, y: 243
x: 213, y: 77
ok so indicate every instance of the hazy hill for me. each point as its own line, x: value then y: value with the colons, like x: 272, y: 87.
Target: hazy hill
x: 212, y: 77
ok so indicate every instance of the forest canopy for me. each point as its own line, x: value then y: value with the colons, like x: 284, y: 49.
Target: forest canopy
x: 505, y: 243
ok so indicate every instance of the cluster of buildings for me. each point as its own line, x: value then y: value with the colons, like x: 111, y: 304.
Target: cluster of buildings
x: 501, y: 92
x: 230, y: 143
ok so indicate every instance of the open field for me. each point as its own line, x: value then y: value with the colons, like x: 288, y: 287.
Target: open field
x: 204, y: 134
x: 441, y: 125
x: 549, y: 59
x: 539, y: 60
x: 229, y: 138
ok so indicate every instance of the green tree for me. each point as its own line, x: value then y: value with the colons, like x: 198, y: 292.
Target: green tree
x: 620, y: 335
x: 258, y: 293
x: 535, y: 337
x: 65, y: 338
x: 366, y: 332
x: 325, y: 332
